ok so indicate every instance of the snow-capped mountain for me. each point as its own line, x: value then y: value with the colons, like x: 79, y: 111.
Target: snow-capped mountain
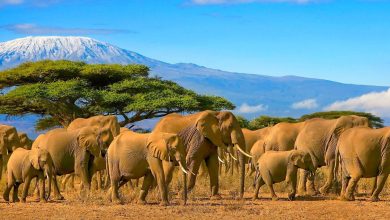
x: 252, y: 94
x: 86, y: 49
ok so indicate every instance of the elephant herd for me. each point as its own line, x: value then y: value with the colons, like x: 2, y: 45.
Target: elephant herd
x: 207, y: 140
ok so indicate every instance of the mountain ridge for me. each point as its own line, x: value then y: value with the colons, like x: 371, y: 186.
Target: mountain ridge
x: 252, y: 94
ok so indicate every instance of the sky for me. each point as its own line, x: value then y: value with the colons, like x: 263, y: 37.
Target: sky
x: 345, y: 41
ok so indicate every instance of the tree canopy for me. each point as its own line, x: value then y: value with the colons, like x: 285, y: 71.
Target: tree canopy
x: 61, y: 91
x: 265, y: 121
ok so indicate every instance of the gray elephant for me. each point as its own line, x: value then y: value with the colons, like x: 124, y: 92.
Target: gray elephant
x: 22, y: 167
x: 364, y: 153
x: 277, y: 166
x: 132, y: 156
x: 71, y: 151
x: 319, y: 138
x: 9, y: 141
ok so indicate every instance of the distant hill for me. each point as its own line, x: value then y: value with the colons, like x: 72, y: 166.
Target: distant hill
x: 252, y: 94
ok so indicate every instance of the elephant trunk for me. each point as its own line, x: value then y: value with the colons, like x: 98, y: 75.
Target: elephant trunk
x: 49, y: 174
x: 239, y: 142
x: 183, y: 167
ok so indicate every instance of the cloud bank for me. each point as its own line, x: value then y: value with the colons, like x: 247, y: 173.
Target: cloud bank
x: 305, y: 104
x: 245, y: 108
x: 377, y: 103
x: 34, y: 29
x: 221, y: 2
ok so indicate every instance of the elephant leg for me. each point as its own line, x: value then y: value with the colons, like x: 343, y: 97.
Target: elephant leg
x: 212, y: 165
x: 99, y: 180
x: 82, y: 169
x: 351, y: 189
x: 374, y: 185
x: 260, y: 182
x: 380, y: 182
x: 158, y: 172
x: 57, y: 193
x: 147, y: 183
x: 65, y: 181
x: 310, y: 188
x: 42, y: 188
x: 302, y: 182
x: 114, y: 189
x: 329, y: 178
x: 10, y: 184
x: 291, y: 180
x: 16, y: 192
x: 168, y: 171
x: 344, y: 184
x: 26, y: 186
x: 266, y: 176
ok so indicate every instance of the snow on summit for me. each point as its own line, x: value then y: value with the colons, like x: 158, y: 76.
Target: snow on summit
x: 84, y: 49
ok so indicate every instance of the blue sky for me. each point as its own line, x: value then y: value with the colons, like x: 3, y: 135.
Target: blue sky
x: 346, y: 41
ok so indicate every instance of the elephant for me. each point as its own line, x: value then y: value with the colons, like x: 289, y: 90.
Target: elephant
x: 277, y: 166
x: 25, y: 142
x: 71, y: 151
x: 319, y: 137
x: 24, y: 165
x: 9, y: 141
x: 364, y: 153
x: 109, y: 128
x: 133, y: 155
x: 203, y: 133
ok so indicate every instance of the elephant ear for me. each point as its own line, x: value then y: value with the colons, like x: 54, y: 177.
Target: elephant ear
x: 34, y: 158
x: 157, y: 146
x: 341, y: 124
x: 88, y: 139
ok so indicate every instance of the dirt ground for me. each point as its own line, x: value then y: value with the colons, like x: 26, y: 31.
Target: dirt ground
x: 200, y: 208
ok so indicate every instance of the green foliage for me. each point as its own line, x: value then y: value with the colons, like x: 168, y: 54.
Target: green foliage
x: 266, y: 121
x: 63, y: 90
x: 244, y: 123
x: 375, y: 121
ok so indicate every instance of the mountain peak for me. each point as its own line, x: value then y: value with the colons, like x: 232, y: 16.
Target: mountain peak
x: 73, y: 48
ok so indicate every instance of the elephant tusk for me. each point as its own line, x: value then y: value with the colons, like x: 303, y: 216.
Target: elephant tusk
x: 242, y: 151
x: 232, y: 156
x: 182, y: 168
x: 47, y: 175
x: 220, y: 160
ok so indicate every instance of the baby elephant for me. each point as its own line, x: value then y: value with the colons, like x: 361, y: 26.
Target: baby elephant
x: 277, y: 166
x: 24, y: 165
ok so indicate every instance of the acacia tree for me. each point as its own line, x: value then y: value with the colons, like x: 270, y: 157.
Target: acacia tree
x: 61, y: 91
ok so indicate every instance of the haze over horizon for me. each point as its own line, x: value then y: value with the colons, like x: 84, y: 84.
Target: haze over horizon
x: 340, y: 41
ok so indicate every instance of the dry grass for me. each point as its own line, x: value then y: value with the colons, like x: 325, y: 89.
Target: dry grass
x: 201, y: 207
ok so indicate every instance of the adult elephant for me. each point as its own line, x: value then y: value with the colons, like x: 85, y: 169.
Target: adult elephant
x: 9, y: 141
x: 109, y: 128
x: 319, y: 138
x: 203, y: 133
x: 233, y: 137
x: 132, y: 156
x: 71, y: 151
x: 364, y: 153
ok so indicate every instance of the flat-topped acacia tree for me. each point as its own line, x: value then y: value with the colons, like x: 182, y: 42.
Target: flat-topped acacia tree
x: 61, y: 91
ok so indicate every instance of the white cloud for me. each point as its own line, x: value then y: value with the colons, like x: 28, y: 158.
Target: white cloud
x: 305, y: 104
x: 37, y: 3
x: 377, y: 103
x: 34, y: 29
x: 245, y: 108
x: 220, y: 2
